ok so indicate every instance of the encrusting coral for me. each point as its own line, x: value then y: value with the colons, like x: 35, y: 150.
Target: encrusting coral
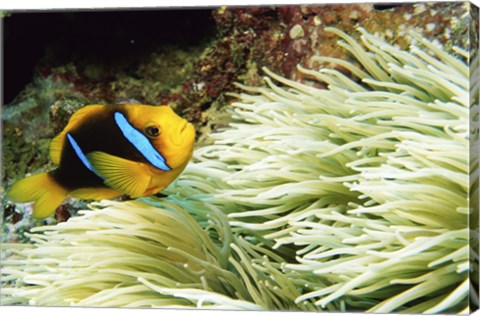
x: 354, y: 197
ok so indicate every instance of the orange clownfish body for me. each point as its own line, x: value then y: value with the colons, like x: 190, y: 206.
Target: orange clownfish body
x: 106, y: 151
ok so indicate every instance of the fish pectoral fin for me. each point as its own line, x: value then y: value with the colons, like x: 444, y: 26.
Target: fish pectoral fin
x: 129, y: 177
x: 56, y: 145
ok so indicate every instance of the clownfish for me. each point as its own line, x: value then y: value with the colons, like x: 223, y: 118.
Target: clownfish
x: 106, y: 151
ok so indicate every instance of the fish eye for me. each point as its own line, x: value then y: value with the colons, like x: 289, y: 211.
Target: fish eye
x: 153, y: 131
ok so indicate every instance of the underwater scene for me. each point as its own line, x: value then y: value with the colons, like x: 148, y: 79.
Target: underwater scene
x: 318, y: 158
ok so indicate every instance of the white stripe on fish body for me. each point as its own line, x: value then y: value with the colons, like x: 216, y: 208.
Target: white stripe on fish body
x: 80, y: 154
x: 141, y: 143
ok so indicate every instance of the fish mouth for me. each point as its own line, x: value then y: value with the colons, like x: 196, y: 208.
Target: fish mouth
x: 179, y: 138
x: 184, y: 126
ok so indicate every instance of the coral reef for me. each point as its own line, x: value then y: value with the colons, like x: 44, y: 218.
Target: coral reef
x: 352, y: 197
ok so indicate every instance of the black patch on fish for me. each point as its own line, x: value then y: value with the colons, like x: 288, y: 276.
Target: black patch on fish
x: 97, y: 132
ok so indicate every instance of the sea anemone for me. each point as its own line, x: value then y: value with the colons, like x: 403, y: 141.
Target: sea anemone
x: 354, y: 197
x: 131, y: 254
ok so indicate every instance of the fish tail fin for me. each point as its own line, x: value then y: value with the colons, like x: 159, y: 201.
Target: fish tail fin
x: 41, y: 189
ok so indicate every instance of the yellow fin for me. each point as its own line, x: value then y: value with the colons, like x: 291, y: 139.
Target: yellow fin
x: 124, y: 175
x: 56, y: 145
x: 95, y: 193
x: 42, y: 190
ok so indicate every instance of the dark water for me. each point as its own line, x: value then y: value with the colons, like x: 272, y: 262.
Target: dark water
x: 55, y: 37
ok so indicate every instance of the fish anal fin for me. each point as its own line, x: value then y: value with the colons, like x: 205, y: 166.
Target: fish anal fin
x: 130, y: 177
x: 41, y: 189
x: 56, y: 145
x: 95, y: 193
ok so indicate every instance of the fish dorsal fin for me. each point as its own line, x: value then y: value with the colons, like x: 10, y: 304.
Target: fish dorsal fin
x: 56, y: 145
x: 129, y: 177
